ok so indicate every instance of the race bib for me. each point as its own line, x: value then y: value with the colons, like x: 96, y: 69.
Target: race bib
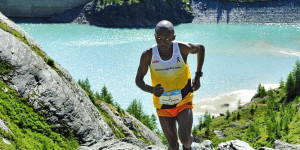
x: 170, y: 97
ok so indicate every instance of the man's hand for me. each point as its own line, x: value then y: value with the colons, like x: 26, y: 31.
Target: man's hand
x: 196, y: 84
x: 158, y: 90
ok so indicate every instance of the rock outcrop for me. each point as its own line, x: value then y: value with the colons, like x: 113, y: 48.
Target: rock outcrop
x: 208, y: 11
x: 149, y: 12
x: 285, y: 146
x: 6, y: 129
x: 56, y: 94
x: 142, y: 14
x: 234, y: 145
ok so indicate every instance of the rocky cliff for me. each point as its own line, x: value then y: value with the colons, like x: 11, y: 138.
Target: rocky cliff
x: 149, y: 12
x: 142, y: 14
x: 277, y: 11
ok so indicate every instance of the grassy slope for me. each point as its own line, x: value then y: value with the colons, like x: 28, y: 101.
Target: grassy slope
x: 234, y: 128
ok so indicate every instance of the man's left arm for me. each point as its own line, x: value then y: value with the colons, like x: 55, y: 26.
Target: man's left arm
x: 200, y: 51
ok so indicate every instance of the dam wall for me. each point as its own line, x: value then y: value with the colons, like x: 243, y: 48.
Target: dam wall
x: 37, y: 8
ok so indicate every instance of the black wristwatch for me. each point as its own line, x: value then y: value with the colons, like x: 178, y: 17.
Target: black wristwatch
x: 200, y: 74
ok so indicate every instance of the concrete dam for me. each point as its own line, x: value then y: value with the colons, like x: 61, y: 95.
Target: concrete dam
x: 37, y: 8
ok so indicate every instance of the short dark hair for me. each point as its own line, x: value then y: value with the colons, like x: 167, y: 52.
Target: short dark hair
x: 164, y: 25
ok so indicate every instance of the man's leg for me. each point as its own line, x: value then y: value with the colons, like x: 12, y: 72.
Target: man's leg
x: 185, y: 123
x: 168, y: 125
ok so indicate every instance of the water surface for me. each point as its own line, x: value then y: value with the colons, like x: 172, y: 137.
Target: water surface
x: 238, y: 57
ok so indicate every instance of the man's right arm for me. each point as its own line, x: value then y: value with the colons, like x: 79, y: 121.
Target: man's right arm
x: 142, y: 71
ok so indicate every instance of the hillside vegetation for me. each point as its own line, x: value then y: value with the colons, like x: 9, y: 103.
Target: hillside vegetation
x: 135, y: 109
x: 271, y: 115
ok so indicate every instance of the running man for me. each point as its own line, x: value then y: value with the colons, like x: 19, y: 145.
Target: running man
x: 172, y: 88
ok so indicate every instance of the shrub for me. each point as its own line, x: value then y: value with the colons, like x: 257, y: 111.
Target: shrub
x: 252, y: 109
x: 51, y: 62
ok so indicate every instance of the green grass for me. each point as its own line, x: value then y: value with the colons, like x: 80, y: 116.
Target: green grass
x: 29, y: 128
x: 5, y: 67
x: 139, y: 135
x: 118, y: 131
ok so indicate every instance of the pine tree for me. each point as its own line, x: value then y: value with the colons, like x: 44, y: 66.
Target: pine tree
x: 290, y: 87
x: 207, y: 120
x: 104, y: 91
x: 227, y: 114
x: 238, y: 116
x: 153, y: 120
x: 261, y: 91
x: 85, y: 84
x: 252, y: 133
x: 200, y: 126
x: 252, y: 109
x: 239, y: 105
x: 135, y: 109
x: 281, y: 84
x: 104, y: 95
x: 297, y: 78
x: 108, y: 99
x: 98, y: 95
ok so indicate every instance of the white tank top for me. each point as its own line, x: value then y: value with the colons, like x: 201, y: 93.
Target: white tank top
x: 167, y: 67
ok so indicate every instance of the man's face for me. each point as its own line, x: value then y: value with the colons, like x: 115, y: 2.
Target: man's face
x: 164, y: 39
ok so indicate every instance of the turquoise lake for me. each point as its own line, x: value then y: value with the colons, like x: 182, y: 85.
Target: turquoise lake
x: 238, y: 57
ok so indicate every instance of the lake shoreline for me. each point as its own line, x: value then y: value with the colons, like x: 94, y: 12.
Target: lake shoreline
x: 229, y: 101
